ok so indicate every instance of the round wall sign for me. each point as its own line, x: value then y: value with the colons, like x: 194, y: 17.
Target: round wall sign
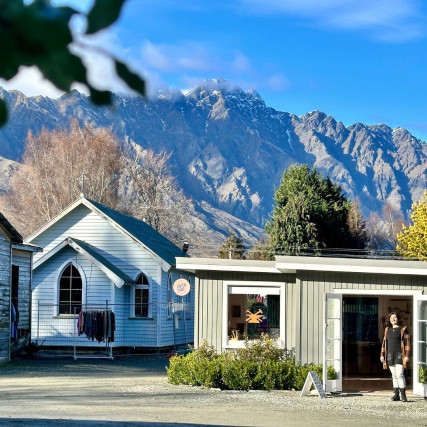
x: 181, y: 287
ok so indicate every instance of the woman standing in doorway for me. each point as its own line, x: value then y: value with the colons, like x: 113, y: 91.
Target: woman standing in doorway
x: 395, y: 353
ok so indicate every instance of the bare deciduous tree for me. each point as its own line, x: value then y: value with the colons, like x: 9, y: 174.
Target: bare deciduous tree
x: 382, y: 230
x: 57, y: 167
x: 149, y: 191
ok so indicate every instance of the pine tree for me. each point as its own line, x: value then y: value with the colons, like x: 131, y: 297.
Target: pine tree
x: 413, y: 239
x: 310, y: 213
x: 232, y: 248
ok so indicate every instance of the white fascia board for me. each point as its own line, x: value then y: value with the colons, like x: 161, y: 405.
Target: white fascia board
x: 112, y: 276
x: 67, y: 242
x: 82, y: 200
x: 214, y: 264
x: 50, y: 254
x: 394, y: 292
x: 353, y: 268
x: 211, y: 267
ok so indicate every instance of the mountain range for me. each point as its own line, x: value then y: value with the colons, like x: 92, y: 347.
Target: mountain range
x: 230, y: 149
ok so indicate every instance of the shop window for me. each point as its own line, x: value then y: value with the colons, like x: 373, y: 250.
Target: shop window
x: 252, y: 313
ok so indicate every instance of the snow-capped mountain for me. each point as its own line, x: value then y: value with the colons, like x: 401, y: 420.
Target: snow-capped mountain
x: 230, y: 149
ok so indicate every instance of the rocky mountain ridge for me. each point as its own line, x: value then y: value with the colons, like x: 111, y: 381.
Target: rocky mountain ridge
x: 230, y: 149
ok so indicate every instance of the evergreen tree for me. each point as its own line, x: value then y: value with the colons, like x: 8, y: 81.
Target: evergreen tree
x: 413, y: 239
x: 261, y: 251
x: 310, y: 213
x: 232, y: 248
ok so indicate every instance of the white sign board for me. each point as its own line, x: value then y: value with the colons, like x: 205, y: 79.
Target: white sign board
x: 181, y: 287
x: 313, y: 379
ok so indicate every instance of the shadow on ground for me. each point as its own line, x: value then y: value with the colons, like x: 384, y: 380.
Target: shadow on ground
x: 85, y: 423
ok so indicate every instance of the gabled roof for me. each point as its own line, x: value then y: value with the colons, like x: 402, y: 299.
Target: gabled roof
x: 145, y: 235
x: 14, y: 235
x: 90, y: 252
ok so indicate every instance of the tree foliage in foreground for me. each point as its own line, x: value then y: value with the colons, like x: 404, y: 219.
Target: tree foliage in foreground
x: 38, y: 34
x: 413, y: 239
x: 312, y: 213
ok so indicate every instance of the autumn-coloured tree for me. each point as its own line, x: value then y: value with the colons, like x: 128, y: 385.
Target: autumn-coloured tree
x: 413, y: 239
x: 57, y: 167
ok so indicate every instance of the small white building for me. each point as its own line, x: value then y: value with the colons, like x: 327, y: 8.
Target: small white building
x: 97, y: 260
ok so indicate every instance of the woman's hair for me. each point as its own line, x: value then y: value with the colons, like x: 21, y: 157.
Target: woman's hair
x: 388, y: 323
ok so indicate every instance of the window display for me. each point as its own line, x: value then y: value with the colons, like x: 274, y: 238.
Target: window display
x: 250, y: 315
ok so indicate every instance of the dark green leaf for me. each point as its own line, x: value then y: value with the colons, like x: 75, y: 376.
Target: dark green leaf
x: 132, y: 80
x: 3, y: 112
x: 100, y: 97
x: 63, y: 69
x: 103, y: 14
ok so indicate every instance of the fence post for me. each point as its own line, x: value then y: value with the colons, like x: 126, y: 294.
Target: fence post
x: 38, y: 320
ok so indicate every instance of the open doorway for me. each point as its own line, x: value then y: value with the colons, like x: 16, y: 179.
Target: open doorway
x: 364, y: 319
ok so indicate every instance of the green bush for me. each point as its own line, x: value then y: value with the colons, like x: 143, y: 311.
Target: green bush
x: 422, y: 375
x: 260, y: 365
x: 201, y: 367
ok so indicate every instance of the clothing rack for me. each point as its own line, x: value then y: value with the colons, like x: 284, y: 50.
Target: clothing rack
x: 107, y: 352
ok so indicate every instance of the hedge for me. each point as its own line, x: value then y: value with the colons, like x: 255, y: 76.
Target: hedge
x: 260, y: 365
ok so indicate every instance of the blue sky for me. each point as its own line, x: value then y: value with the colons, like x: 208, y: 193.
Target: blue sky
x: 357, y: 60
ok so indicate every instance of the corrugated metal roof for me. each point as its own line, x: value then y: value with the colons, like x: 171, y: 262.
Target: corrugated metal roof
x: 142, y: 232
x: 93, y: 252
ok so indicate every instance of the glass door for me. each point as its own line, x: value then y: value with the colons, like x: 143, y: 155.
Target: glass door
x: 332, y: 341
x: 420, y: 345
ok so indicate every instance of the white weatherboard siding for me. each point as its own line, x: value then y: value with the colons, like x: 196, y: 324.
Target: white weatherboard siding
x: 127, y: 255
x: 4, y: 295
x: 83, y: 224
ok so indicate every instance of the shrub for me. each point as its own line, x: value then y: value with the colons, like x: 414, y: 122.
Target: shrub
x: 237, y: 374
x: 422, y: 375
x: 260, y: 365
x: 201, y: 367
x: 263, y: 349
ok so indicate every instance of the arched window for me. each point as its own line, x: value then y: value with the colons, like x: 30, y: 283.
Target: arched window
x: 70, y: 291
x: 142, y: 294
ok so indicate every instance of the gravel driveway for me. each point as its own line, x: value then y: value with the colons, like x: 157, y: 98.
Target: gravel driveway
x: 134, y: 391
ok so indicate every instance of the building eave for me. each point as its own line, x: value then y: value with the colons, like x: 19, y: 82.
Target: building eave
x: 117, y: 280
x: 351, y: 265
x: 26, y: 247
x: 215, y: 264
